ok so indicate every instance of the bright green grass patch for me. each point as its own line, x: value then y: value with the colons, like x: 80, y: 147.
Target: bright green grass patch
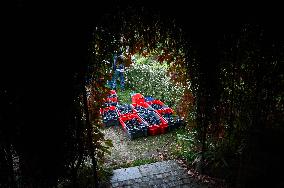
x: 124, y: 97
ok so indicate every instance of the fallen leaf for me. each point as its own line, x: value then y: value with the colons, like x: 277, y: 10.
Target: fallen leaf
x: 190, y: 173
x: 179, y: 161
x: 199, y: 177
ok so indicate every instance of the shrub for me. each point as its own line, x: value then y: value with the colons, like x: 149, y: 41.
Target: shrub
x: 187, y: 147
x: 148, y: 77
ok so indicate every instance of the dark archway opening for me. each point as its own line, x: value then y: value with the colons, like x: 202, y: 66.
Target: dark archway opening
x: 156, y: 66
x: 43, y: 70
x: 218, y: 65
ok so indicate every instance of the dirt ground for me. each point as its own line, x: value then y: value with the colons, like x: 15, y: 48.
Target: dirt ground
x: 150, y: 148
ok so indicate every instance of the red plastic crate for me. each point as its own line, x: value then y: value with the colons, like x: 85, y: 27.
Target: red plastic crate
x: 158, y: 129
x: 153, y: 130
x: 164, y: 109
x: 112, y: 92
x: 102, y: 110
x: 136, y: 98
x: 134, y: 111
x: 122, y: 119
x: 111, y: 121
x: 113, y: 99
x: 143, y: 104
x: 157, y: 101
x: 163, y: 127
x: 177, y: 122
x: 135, y: 134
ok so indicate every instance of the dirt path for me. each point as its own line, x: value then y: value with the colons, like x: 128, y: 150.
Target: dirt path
x: 126, y: 151
x: 127, y: 156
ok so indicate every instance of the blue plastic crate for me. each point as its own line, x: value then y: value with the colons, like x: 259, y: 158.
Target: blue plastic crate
x: 149, y: 98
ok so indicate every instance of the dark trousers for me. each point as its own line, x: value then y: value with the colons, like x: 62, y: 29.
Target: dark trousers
x: 115, y: 76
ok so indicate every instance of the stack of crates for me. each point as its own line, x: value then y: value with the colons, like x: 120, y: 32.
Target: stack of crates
x: 156, y: 123
x: 111, y: 99
x: 145, y: 116
x: 110, y: 116
x: 109, y: 112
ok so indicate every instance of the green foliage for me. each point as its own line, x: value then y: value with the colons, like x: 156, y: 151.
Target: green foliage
x: 103, y: 147
x: 85, y: 178
x: 124, y: 97
x: 248, y: 93
x: 150, y: 78
x: 187, y: 145
x: 247, y: 101
x: 85, y: 173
